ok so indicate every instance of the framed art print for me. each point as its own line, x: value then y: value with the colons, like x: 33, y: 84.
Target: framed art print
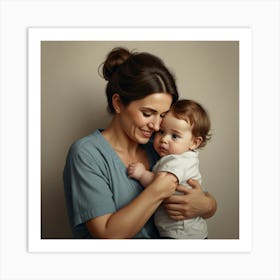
x: 223, y: 54
x: 211, y: 65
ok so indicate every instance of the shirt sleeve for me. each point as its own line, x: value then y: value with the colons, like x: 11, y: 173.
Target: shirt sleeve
x: 89, y: 188
x: 183, y: 169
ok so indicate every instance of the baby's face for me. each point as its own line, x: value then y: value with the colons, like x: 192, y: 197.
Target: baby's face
x: 174, y: 137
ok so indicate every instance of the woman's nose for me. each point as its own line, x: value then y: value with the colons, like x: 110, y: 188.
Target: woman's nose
x: 155, y: 124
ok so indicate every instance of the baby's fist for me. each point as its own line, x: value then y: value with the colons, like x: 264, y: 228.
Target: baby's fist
x: 135, y: 170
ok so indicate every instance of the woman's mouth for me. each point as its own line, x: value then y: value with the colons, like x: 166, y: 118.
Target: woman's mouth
x: 146, y: 133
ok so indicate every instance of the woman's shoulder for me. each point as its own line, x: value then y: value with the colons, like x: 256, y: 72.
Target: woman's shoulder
x: 89, y: 153
x: 91, y: 144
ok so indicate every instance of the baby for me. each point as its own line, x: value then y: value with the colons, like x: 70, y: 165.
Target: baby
x: 184, y: 129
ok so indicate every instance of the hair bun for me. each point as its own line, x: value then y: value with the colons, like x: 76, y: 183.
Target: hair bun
x: 115, y: 58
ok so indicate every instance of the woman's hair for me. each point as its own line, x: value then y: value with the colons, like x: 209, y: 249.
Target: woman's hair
x: 135, y: 75
x: 193, y: 113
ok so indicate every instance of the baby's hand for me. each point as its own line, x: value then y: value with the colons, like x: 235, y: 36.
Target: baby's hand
x: 135, y: 170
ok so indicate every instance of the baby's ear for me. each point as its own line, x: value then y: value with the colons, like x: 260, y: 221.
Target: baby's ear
x: 196, y: 142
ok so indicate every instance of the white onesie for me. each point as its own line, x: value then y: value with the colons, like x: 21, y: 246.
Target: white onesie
x: 184, y: 167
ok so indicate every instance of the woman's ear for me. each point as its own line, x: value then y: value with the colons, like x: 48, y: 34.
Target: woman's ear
x: 196, y: 142
x: 116, y: 101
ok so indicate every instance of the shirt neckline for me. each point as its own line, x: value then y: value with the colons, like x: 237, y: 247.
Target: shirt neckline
x: 113, y: 153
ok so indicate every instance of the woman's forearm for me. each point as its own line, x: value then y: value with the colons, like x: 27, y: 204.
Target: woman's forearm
x: 212, y: 206
x: 129, y: 220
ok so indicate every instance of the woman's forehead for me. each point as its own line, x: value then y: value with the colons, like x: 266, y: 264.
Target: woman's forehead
x: 156, y: 101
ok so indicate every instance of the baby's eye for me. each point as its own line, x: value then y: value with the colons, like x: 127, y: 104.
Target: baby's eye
x: 175, y: 136
x: 160, y: 132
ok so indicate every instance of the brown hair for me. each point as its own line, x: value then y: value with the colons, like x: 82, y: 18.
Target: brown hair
x: 196, y: 115
x: 136, y: 75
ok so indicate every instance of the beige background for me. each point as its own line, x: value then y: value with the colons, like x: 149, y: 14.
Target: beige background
x: 73, y: 104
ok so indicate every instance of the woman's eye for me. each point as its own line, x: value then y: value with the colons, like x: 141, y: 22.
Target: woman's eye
x: 145, y: 114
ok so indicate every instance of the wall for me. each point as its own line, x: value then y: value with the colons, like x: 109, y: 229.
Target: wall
x: 73, y: 105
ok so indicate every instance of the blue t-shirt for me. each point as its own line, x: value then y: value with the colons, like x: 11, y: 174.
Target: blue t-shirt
x: 96, y: 183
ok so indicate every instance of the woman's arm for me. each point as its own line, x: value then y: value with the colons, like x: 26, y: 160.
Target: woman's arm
x: 128, y: 221
x: 193, y: 203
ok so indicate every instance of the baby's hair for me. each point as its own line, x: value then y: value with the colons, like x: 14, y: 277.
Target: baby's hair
x: 193, y: 113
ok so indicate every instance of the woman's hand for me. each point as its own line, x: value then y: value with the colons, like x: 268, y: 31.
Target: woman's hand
x: 192, y: 203
x: 164, y: 184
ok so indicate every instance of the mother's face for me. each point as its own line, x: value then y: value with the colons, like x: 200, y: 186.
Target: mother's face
x: 142, y: 117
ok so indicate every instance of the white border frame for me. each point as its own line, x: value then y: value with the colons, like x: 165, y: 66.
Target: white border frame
x: 36, y: 35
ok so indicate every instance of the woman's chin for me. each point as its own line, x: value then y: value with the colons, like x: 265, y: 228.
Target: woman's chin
x: 143, y: 140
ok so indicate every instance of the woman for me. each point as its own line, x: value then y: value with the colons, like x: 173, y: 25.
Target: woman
x: 102, y: 201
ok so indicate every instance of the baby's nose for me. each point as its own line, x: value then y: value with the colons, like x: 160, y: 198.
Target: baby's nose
x: 164, y: 138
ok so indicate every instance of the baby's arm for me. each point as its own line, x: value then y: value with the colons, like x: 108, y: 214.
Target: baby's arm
x: 137, y: 171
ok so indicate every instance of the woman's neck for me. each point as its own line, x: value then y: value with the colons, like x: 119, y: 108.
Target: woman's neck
x: 115, y: 135
x: 128, y: 150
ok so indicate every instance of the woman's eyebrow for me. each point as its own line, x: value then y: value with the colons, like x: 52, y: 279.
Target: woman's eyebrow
x: 148, y: 109
x: 152, y: 110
